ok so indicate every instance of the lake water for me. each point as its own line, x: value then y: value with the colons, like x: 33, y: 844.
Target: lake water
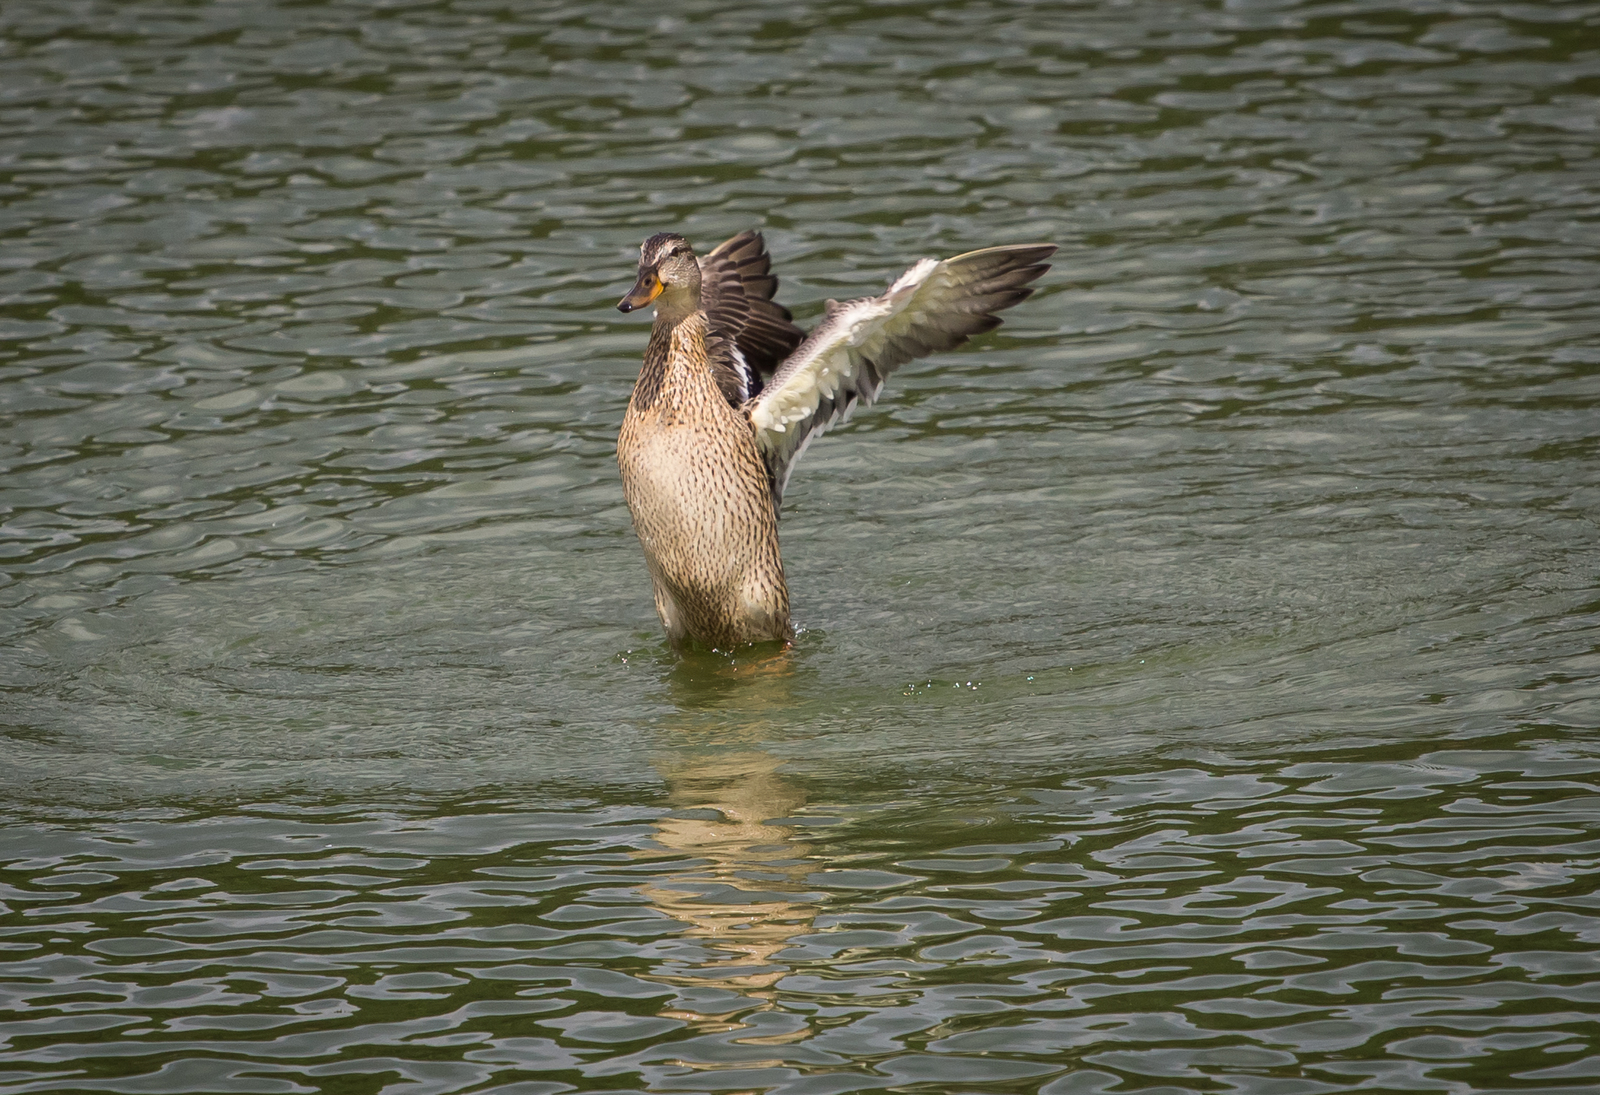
x: 1198, y: 680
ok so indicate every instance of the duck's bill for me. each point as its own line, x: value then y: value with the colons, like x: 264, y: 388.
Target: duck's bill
x: 646, y: 289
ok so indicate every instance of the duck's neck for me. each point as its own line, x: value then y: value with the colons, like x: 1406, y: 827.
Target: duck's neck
x: 676, y: 304
x: 676, y: 356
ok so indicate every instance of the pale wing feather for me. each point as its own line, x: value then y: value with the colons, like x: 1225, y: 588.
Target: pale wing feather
x: 933, y: 306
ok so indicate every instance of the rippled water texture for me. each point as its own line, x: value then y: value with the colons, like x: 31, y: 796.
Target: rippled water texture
x: 1197, y: 684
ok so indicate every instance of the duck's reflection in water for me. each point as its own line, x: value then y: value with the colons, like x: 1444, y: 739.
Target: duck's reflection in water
x: 746, y: 895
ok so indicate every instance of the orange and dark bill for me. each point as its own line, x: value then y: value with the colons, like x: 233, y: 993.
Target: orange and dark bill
x: 646, y: 289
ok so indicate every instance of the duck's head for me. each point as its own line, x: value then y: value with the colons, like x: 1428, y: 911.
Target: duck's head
x: 669, y: 277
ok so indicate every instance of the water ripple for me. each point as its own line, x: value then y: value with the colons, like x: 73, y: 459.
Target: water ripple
x: 1196, y: 679
x: 1222, y: 922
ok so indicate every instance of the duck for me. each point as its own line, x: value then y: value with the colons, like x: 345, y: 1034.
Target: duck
x: 731, y: 392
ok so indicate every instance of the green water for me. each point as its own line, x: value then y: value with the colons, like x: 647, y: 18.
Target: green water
x: 1198, y: 680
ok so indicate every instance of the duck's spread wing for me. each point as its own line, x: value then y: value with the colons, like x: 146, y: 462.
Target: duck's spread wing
x: 736, y: 289
x: 933, y: 306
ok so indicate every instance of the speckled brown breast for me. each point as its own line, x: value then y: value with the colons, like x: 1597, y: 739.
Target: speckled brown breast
x: 700, y: 501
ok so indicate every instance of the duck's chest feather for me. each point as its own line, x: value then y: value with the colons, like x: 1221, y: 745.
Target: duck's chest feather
x: 683, y: 449
x: 697, y: 488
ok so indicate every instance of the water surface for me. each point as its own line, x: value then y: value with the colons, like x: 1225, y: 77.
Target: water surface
x: 1196, y: 685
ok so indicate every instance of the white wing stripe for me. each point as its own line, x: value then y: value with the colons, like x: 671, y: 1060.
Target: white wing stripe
x: 932, y: 306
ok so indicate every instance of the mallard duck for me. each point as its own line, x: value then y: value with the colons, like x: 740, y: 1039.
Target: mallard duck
x: 731, y: 392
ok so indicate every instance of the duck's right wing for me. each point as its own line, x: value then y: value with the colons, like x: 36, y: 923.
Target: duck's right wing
x: 933, y: 306
x: 736, y: 288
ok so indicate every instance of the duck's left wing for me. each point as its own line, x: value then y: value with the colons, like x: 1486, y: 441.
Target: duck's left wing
x: 933, y: 306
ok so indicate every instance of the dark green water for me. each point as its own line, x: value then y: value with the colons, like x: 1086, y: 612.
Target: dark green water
x: 1198, y: 687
